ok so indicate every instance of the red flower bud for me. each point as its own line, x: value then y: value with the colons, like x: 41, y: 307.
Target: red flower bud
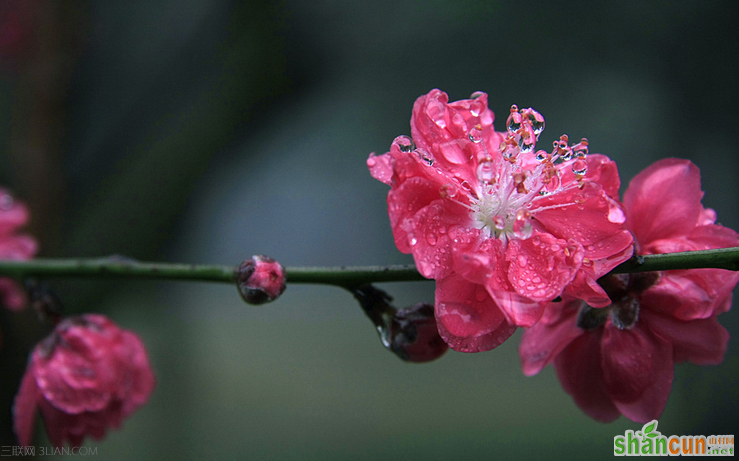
x: 261, y: 279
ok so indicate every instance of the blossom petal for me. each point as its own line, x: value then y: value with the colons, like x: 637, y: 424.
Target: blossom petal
x: 588, y: 216
x: 477, y: 259
x: 429, y: 234
x: 541, y: 266
x: 404, y: 202
x: 686, y: 294
x: 664, y: 200
x: 701, y: 341
x: 545, y: 340
x: 601, y: 170
x: 25, y: 409
x: 467, y: 318
x: 579, y: 370
x: 637, y: 371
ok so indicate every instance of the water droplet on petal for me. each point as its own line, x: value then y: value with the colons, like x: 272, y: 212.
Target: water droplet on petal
x: 513, y: 123
x: 553, y: 184
x: 616, y: 214
x: 426, y: 157
x: 404, y: 143
x: 522, y: 227
x: 499, y: 222
x: 580, y: 167
x: 436, y: 111
x: 485, y: 171
x: 475, y: 134
x: 431, y: 238
x: 413, y: 241
x: 477, y: 106
x: 448, y: 190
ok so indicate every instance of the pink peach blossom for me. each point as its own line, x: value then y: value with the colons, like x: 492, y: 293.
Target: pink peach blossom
x: 620, y: 359
x: 87, y: 376
x: 501, y: 227
x: 13, y: 216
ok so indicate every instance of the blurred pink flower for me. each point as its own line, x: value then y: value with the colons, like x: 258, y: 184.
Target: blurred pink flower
x: 502, y: 228
x: 620, y: 359
x: 13, y: 215
x: 87, y: 376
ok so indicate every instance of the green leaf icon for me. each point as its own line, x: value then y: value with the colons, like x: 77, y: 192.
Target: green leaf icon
x: 652, y: 435
x: 649, y: 427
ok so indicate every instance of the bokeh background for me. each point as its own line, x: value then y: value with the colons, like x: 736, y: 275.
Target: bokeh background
x: 208, y: 131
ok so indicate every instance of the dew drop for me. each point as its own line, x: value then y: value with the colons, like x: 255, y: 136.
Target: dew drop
x: 370, y: 163
x: 522, y: 260
x: 565, y: 154
x: 522, y: 227
x: 431, y: 239
x: 414, y: 241
x: 580, y: 167
x: 427, y: 158
x: 542, y: 155
x: 404, y: 143
x: 513, y: 123
x: 477, y: 106
x: 553, y: 184
x: 527, y: 145
x: 485, y: 171
x: 448, y: 190
x: 475, y: 134
x: 436, y: 111
x: 616, y: 214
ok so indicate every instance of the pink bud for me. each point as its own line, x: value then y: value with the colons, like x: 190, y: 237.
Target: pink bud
x: 261, y: 279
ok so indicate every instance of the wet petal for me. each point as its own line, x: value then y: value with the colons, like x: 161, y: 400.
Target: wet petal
x: 467, y: 318
x: 702, y: 342
x: 541, y: 266
x: 664, y: 200
x: 404, y: 202
x: 579, y: 370
x: 430, y: 243
x: 637, y: 370
x: 545, y: 340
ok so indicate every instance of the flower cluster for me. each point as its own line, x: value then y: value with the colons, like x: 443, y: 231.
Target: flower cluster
x: 520, y: 237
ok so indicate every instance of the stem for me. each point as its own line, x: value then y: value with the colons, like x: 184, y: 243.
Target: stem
x: 116, y: 267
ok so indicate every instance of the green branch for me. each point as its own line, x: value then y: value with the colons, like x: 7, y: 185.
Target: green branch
x: 116, y: 267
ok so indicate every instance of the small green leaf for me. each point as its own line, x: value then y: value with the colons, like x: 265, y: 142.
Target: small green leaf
x: 650, y: 428
x: 652, y: 435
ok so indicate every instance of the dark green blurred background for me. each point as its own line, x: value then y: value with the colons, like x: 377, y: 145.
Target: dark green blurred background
x: 208, y: 131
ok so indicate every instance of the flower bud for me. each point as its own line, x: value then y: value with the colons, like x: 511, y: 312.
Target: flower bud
x: 260, y: 279
x: 87, y: 376
x: 414, y: 336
